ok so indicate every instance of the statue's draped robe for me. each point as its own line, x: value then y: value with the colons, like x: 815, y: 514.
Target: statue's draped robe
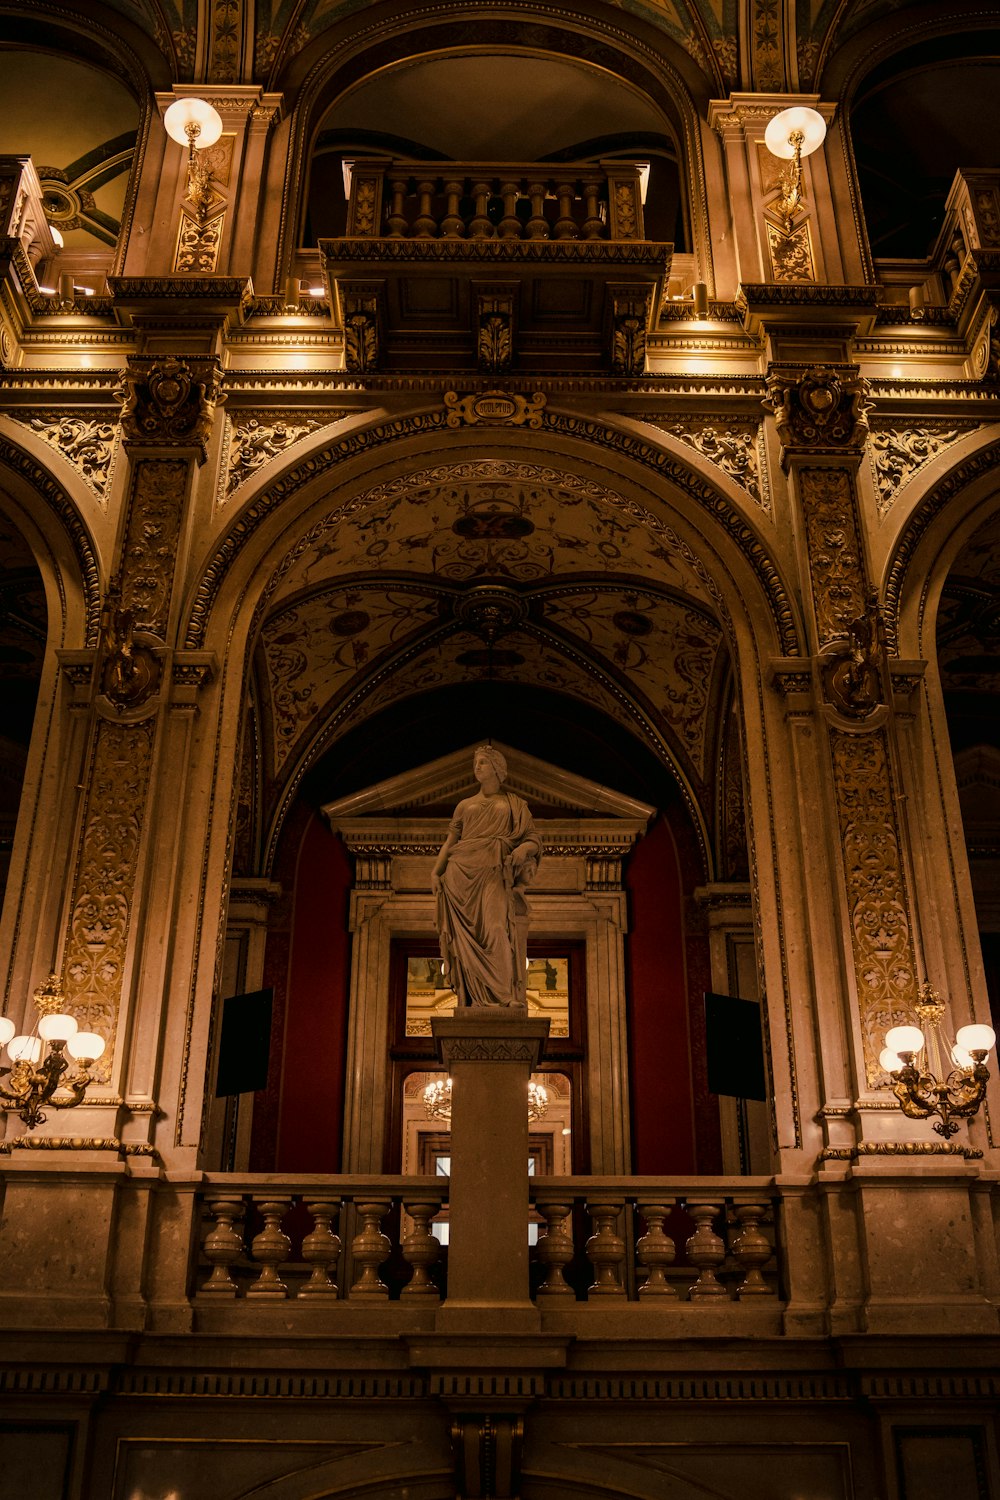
x: 482, y: 917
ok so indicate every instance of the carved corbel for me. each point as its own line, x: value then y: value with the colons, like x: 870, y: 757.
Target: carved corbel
x: 495, y: 309
x: 631, y: 309
x: 169, y: 403
x: 821, y: 409
x: 363, y: 315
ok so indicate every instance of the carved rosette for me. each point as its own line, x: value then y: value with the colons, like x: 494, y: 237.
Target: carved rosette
x: 822, y: 409
x: 170, y: 403
x: 833, y: 543
x: 881, y: 941
x: 104, y: 881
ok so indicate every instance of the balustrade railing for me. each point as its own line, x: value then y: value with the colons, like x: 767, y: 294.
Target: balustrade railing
x: 364, y: 1240
x: 477, y: 201
x: 704, y: 1240
x: 367, y: 1241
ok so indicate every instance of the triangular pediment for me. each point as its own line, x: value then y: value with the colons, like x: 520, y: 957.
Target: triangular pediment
x: 444, y: 782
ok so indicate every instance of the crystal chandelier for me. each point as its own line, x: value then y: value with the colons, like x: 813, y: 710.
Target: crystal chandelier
x: 926, y: 1087
x: 38, y: 1059
x: 437, y: 1099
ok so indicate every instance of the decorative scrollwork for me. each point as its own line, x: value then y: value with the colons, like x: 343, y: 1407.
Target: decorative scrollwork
x: 87, y: 443
x: 169, y: 402
x: 820, y: 409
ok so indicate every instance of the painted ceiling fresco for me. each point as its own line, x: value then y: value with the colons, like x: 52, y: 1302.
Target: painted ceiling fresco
x: 488, y: 519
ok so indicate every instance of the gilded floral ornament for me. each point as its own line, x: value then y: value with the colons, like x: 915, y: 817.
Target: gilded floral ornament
x: 88, y: 443
x: 170, y: 402
x: 819, y: 409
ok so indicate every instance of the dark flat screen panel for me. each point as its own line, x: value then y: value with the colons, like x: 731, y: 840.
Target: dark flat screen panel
x: 244, y: 1043
x: 734, y: 1048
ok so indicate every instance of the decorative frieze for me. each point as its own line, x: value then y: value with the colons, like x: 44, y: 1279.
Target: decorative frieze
x: 881, y: 941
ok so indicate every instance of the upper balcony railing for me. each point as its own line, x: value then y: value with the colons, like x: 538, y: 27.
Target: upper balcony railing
x: 661, y: 1243
x: 507, y: 201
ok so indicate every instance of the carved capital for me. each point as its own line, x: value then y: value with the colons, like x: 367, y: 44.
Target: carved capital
x: 819, y: 409
x: 170, y: 402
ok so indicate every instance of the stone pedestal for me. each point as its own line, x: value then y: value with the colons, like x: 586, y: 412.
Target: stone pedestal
x: 490, y: 1056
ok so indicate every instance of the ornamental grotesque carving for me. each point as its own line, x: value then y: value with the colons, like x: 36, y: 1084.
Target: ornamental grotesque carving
x: 152, y: 532
x: 853, y: 674
x: 881, y: 940
x: 898, y: 453
x: 833, y: 542
x: 821, y: 409
x: 169, y: 403
x: 257, y: 437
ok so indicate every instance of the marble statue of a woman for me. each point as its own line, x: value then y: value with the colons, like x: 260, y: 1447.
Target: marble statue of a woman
x: 490, y: 855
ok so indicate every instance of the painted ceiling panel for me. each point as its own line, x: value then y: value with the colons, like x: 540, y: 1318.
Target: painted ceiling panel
x: 488, y: 519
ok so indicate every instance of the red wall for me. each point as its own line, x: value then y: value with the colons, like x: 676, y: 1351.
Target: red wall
x: 674, y: 1118
x: 298, y: 1122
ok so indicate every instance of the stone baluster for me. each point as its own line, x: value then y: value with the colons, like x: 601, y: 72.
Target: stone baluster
x: 396, y: 221
x: 223, y: 1246
x: 555, y: 1248
x: 509, y: 227
x: 565, y: 225
x: 420, y: 1248
x: 655, y: 1251
x: 606, y: 1248
x: 321, y: 1248
x: 537, y: 227
x: 425, y: 225
x: 270, y: 1248
x: 453, y: 225
x: 371, y: 1248
x: 752, y: 1250
x: 593, y: 224
x: 480, y: 227
x: 705, y: 1251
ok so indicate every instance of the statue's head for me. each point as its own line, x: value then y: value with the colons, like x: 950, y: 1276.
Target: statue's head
x: 495, y: 759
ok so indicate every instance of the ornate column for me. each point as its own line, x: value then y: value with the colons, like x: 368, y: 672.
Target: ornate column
x: 854, y: 895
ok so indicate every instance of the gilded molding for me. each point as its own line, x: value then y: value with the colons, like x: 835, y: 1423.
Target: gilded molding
x: 381, y: 252
x: 104, y: 879
x: 87, y: 441
x: 833, y: 543
x: 881, y: 941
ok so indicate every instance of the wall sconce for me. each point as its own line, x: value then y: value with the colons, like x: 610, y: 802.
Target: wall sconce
x: 926, y: 1089
x: 791, y: 135
x: 194, y: 123
x: 437, y: 1099
x: 38, y: 1061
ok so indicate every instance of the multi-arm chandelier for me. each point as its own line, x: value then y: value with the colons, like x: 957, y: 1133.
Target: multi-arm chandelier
x: 437, y: 1099
x: 38, y: 1059
x: 921, y: 1081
